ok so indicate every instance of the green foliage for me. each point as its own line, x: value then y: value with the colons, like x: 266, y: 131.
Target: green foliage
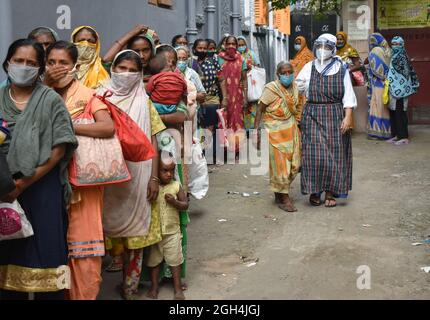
x: 316, y: 7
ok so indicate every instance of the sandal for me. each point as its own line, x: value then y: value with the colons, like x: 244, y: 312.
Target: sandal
x: 116, y: 265
x: 315, y: 200
x: 392, y: 140
x: 328, y: 198
x: 401, y: 142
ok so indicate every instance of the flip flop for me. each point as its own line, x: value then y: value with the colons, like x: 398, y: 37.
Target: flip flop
x: 392, y: 140
x: 330, y: 198
x: 401, y: 142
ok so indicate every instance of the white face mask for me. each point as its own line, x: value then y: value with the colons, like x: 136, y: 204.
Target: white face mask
x: 297, y: 47
x: 124, y: 82
x: 324, y: 54
x: 22, y: 76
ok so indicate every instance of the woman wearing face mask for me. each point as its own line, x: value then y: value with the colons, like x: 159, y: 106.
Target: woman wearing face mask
x: 210, y: 69
x: 127, y: 215
x: 303, y: 55
x: 212, y: 50
x: 378, y: 126
x: 278, y: 109
x: 252, y: 61
x: 196, y: 91
x: 326, y: 124
x: 91, y: 72
x: 403, y: 83
x: 85, y: 233
x: 234, y: 72
x: 350, y: 56
x: 41, y: 146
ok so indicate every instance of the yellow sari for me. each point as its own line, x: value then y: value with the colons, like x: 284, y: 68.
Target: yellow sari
x: 280, y: 119
x: 91, y: 72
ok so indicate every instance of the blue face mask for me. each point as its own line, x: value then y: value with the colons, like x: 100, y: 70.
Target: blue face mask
x: 182, y: 65
x: 241, y: 49
x: 286, y: 80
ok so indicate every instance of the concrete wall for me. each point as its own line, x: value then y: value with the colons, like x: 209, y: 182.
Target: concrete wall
x: 112, y: 18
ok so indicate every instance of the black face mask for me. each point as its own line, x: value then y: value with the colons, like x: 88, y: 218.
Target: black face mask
x: 201, y: 55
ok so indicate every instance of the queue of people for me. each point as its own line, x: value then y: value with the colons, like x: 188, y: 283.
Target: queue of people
x: 142, y: 224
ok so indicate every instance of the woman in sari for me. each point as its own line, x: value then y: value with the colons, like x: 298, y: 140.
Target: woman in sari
x: 85, y: 233
x: 252, y: 61
x: 325, y: 125
x: 279, y: 109
x: 303, y: 55
x: 38, y: 153
x: 127, y: 218
x: 234, y: 73
x: 91, y: 72
x: 403, y: 83
x: 378, y: 126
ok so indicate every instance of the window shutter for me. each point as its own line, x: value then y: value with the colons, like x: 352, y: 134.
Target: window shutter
x: 261, y: 11
x: 166, y: 3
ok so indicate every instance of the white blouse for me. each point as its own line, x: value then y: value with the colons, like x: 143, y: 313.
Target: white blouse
x: 303, y: 79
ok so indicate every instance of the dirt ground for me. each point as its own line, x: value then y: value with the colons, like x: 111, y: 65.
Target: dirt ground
x: 261, y: 252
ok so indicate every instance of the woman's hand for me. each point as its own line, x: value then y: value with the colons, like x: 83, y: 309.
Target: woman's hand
x: 12, y: 196
x: 346, y: 124
x: 54, y: 74
x: 139, y: 29
x: 153, y: 189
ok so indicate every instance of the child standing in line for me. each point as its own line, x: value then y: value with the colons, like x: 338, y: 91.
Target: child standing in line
x: 171, y: 200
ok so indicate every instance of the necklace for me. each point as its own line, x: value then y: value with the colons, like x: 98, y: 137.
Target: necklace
x: 16, y: 102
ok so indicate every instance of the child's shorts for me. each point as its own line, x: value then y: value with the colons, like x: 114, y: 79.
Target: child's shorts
x: 169, y: 250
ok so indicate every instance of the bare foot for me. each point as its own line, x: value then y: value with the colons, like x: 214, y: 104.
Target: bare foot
x: 152, y: 294
x: 286, y: 204
x: 179, y: 295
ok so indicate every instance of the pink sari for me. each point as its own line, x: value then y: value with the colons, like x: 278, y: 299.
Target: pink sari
x: 231, y: 71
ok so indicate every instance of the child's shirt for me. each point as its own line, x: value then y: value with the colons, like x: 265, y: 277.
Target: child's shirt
x: 167, y: 88
x: 169, y: 215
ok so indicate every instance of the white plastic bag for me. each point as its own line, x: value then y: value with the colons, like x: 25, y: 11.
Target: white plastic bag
x: 13, y: 222
x: 198, y: 184
x: 256, y: 83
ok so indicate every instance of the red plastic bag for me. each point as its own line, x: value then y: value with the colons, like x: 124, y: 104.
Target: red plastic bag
x: 136, y: 146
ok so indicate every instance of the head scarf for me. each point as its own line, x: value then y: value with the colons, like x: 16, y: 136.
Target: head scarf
x: 379, y: 59
x: 54, y: 34
x: 303, y: 56
x: 403, y: 78
x: 249, y: 55
x: 91, y: 72
x: 347, y: 51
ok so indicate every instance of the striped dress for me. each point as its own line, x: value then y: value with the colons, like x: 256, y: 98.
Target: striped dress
x: 326, y: 152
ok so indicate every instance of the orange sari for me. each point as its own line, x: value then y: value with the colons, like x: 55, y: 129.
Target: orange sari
x: 302, y: 57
